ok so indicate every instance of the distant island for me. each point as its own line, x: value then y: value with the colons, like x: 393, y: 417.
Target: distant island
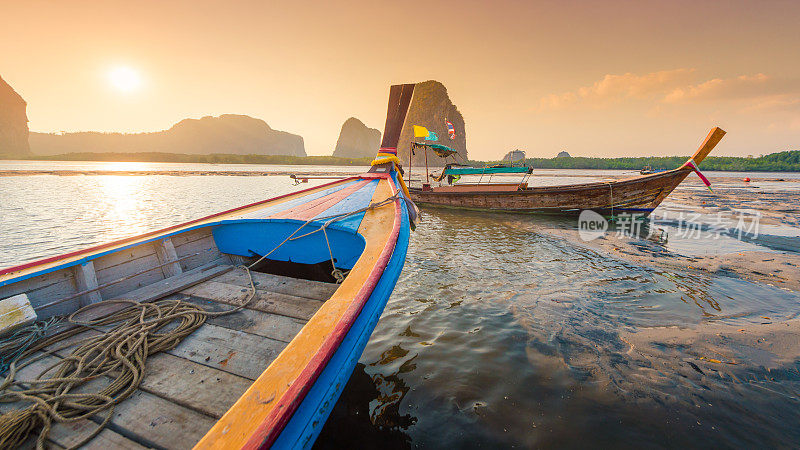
x: 13, y: 123
x: 788, y: 161
x: 432, y: 108
x: 228, y: 133
x: 240, y: 139
x: 214, y: 158
x: 357, y: 140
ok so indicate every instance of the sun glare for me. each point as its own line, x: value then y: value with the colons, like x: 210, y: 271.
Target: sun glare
x: 124, y: 79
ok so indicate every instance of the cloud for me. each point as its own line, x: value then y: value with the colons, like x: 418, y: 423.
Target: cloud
x: 743, y: 86
x: 616, y: 88
x: 753, y: 92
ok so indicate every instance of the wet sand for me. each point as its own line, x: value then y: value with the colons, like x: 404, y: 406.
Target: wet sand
x: 777, y: 208
x: 727, y: 348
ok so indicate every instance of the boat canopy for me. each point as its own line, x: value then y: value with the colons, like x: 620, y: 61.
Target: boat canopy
x: 441, y: 151
x: 485, y: 170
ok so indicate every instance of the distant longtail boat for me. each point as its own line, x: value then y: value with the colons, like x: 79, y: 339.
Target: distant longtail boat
x: 636, y: 195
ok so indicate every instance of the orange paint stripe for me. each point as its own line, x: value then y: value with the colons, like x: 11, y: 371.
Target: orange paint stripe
x: 266, y: 434
x: 254, y: 415
x: 315, y: 207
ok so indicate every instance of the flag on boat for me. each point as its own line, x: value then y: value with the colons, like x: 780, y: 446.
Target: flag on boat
x: 420, y: 131
x: 702, y: 177
x: 431, y: 136
x: 450, y: 130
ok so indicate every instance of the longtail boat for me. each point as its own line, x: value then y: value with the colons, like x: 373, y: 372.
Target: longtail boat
x: 636, y: 195
x: 279, y: 297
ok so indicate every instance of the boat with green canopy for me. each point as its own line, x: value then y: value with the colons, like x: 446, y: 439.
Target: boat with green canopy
x: 635, y: 195
x: 452, y: 172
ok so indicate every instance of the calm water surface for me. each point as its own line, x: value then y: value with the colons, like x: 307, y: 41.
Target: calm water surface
x: 497, y: 334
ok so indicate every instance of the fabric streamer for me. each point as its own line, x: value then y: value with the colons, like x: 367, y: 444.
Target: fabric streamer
x: 691, y: 164
x: 450, y: 130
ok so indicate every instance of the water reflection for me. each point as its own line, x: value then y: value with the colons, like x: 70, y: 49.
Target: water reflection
x: 354, y: 419
x: 46, y: 215
x: 122, y: 202
x: 499, y: 335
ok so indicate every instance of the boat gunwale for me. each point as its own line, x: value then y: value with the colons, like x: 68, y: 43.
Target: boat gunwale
x: 281, y: 410
x: 535, y: 190
x: 388, y: 279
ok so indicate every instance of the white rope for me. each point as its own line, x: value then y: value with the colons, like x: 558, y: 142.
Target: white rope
x: 337, y: 274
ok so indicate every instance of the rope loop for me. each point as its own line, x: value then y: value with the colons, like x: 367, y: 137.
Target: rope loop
x: 111, y: 354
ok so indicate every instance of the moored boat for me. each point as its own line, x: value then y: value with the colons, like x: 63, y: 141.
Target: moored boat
x: 636, y: 195
x: 246, y: 324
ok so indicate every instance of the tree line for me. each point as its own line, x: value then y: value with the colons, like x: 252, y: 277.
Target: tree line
x: 788, y: 161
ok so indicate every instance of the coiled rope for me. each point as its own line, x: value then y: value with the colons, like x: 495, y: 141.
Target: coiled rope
x: 117, y: 355
x: 13, y: 345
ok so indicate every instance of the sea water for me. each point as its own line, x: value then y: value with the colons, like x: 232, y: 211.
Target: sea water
x: 498, y: 334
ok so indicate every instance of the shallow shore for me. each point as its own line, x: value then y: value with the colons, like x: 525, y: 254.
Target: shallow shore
x: 732, y: 351
x: 777, y: 208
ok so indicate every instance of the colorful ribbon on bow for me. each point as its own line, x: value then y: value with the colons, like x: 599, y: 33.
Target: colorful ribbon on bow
x: 691, y: 164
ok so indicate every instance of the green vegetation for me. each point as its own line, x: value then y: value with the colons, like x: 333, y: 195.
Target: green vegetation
x: 214, y: 158
x: 788, y: 161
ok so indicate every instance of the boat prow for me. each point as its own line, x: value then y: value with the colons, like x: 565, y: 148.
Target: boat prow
x: 302, y: 279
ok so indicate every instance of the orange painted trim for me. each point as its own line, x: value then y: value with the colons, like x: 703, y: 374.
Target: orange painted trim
x: 259, y: 415
x: 315, y: 207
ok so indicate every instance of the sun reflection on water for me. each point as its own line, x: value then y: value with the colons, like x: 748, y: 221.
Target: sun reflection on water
x: 125, y: 165
x: 125, y: 206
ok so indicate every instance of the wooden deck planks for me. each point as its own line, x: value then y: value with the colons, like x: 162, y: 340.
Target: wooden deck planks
x: 273, y: 326
x: 232, y: 351
x: 316, y: 290
x: 116, y: 436
x: 171, y: 285
x: 175, y: 393
x: 152, y: 420
x: 270, y: 302
x: 201, y: 388
x: 186, y: 389
x: 68, y: 434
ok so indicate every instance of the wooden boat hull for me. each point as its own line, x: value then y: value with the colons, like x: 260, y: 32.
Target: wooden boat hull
x: 639, y: 195
x: 286, y: 405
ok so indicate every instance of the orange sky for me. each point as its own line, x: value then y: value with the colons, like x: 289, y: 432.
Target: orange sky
x: 608, y: 78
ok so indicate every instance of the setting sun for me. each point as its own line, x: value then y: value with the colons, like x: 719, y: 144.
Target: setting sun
x: 376, y: 224
x: 124, y: 79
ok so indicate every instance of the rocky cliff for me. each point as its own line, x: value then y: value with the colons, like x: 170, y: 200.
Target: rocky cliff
x: 514, y: 155
x: 429, y: 108
x: 13, y: 123
x: 357, y: 140
x: 228, y: 133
